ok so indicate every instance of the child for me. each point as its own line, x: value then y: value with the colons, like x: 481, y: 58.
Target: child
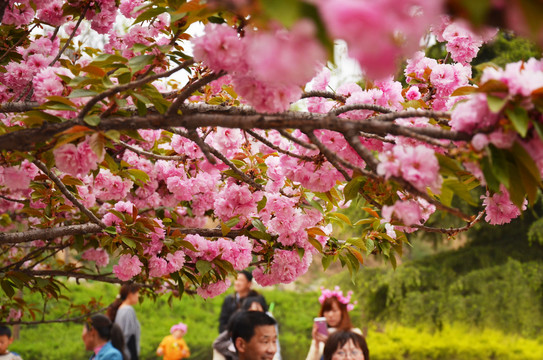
x: 5, y: 342
x: 174, y: 347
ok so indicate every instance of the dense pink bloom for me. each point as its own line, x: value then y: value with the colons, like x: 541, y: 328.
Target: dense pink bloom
x: 76, y: 160
x: 499, y: 208
x: 387, y: 21
x: 158, y: 267
x: 236, y: 200
x: 275, y: 56
x: 521, y: 77
x: 14, y: 314
x: 111, y: 187
x: 214, y: 289
x: 127, y: 8
x: 266, y: 97
x: 99, y: 256
x: 18, y: 177
x: 285, y: 268
x: 175, y: 261
x: 472, y: 114
x: 413, y: 93
x: 227, y: 141
x: 52, y: 13
x: 19, y: 14
x: 408, y: 212
x: 128, y: 267
x: 220, y: 49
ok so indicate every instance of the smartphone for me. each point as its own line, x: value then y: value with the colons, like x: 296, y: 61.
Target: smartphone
x: 322, y: 327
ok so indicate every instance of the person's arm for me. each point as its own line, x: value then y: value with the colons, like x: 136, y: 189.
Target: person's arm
x: 160, y: 349
x: 226, y: 311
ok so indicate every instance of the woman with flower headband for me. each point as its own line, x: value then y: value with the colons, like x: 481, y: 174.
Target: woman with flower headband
x: 335, y: 309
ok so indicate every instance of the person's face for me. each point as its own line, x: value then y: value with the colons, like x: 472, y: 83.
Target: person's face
x: 333, y: 316
x: 241, y: 284
x: 89, y: 338
x: 178, y: 334
x: 256, y: 306
x: 348, y: 351
x: 133, y: 298
x: 5, y: 342
x: 262, y: 346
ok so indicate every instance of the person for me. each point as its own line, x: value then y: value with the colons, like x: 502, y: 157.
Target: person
x: 122, y: 313
x: 174, y: 347
x: 5, y: 341
x: 104, y: 338
x: 254, y: 335
x: 242, y: 288
x: 346, y: 344
x: 223, y: 348
x: 335, y: 309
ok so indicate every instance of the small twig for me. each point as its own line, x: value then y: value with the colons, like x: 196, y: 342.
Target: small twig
x: 198, y: 140
x: 68, y: 194
x: 191, y: 88
x: 13, y: 200
x: 116, y: 89
x: 59, y: 320
x: 72, y: 35
x: 151, y: 155
x: 277, y: 148
x: 333, y: 158
x: 352, y: 138
x: 412, y: 113
x: 451, y: 231
x: 286, y: 134
x: 6, y: 52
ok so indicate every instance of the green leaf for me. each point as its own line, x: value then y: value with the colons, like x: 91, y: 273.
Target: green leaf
x: 225, y: 229
x: 150, y: 14
x: 80, y: 93
x: 491, y: 180
x: 233, y: 221
x: 464, y: 90
x: 352, y: 188
x: 326, y: 261
x: 495, y: 103
x: 370, y: 246
x: 286, y: 11
x: 129, y: 242
x: 261, y: 204
x: 139, y: 62
x: 460, y: 189
x: 517, y: 192
x: 103, y: 60
x: 92, y: 120
x: 70, y: 180
x: 257, y: 223
x: 7, y: 286
x: 203, y: 266
x: 342, y: 217
x: 520, y: 119
x: 138, y: 174
x: 499, y: 165
x: 111, y: 230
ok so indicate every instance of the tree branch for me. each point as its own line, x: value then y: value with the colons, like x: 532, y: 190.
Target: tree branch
x: 59, y: 320
x: 75, y: 275
x: 333, y: 158
x: 324, y: 94
x: 151, y: 155
x: 347, y: 108
x: 277, y: 148
x: 191, y: 88
x: 132, y: 85
x: 68, y: 194
x: 50, y: 233
x: 15, y: 107
x: 72, y: 35
x: 451, y: 231
x: 287, y: 135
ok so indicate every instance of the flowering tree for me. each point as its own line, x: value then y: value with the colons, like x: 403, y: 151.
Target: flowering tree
x: 110, y: 159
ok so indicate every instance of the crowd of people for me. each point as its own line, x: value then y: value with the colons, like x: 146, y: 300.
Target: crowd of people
x: 247, y: 330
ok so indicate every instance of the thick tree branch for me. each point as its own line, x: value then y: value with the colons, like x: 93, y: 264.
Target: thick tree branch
x: 451, y: 231
x: 59, y: 320
x: 324, y: 94
x: 25, y: 139
x: 352, y: 138
x: 68, y: 194
x: 16, y: 107
x: 50, y: 233
x: 72, y: 274
x: 12, y: 200
x: 347, y: 108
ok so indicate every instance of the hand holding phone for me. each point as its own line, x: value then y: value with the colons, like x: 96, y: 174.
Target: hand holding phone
x: 322, y: 327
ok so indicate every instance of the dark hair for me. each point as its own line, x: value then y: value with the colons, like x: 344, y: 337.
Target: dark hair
x: 126, y: 290
x: 248, y: 301
x: 345, y: 323
x: 247, y: 274
x: 107, y: 330
x: 339, y: 339
x: 243, y: 324
x: 5, y: 330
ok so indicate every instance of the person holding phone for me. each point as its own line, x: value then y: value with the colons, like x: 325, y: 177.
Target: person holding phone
x: 333, y: 316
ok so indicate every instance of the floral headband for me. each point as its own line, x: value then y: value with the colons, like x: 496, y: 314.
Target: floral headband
x: 180, y: 326
x: 338, y: 294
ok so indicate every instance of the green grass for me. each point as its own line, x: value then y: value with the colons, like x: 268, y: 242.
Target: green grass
x: 294, y: 312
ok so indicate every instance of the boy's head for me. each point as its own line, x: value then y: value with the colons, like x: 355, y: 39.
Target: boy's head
x: 178, y: 330
x: 5, y: 339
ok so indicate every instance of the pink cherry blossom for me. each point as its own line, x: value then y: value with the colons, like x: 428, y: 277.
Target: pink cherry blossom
x: 175, y: 261
x: 158, y: 267
x: 208, y: 291
x: 99, y: 256
x: 128, y: 267
x: 499, y: 208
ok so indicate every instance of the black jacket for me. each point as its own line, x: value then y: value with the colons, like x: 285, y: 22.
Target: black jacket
x: 229, y: 307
